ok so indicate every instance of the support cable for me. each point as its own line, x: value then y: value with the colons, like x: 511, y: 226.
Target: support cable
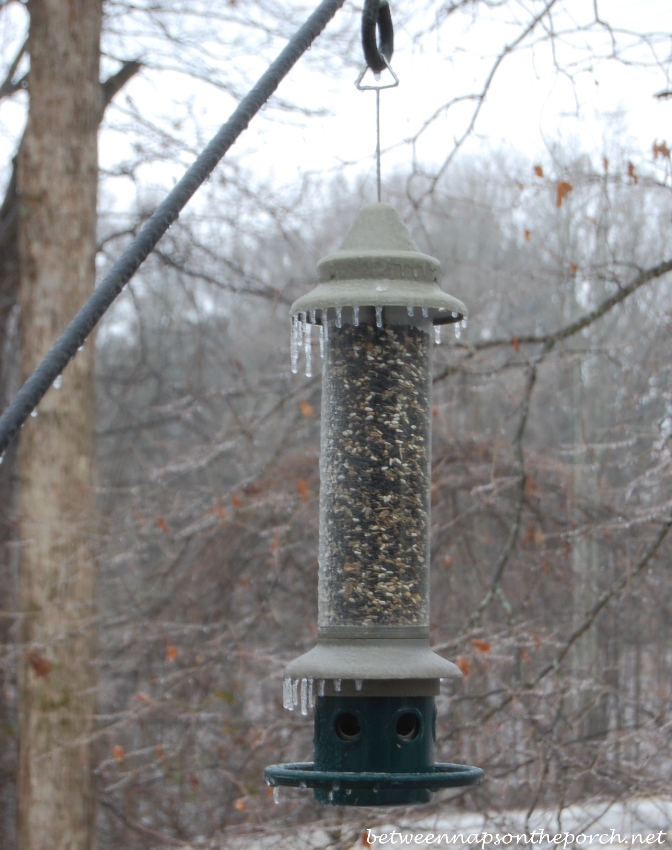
x: 65, y: 347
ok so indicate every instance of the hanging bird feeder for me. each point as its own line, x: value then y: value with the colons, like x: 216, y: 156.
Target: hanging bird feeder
x: 372, y: 677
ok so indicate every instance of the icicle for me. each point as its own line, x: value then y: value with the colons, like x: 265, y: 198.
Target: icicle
x: 294, y: 345
x: 410, y: 311
x: 425, y: 312
x: 355, y: 316
x: 308, y: 348
x: 276, y: 795
x: 304, y: 696
x: 437, y: 334
x: 337, y: 685
x: 312, y: 315
x: 295, y: 693
x: 2, y: 457
x: 320, y: 688
x: 339, y: 317
x: 464, y: 323
x: 379, y: 317
x: 330, y: 796
x: 325, y: 325
x: 321, y: 334
x: 458, y: 332
x: 311, y: 701
x: 287, y: 695
x: 358, y: 684
x: 58, y: 382
x: 455, y: 315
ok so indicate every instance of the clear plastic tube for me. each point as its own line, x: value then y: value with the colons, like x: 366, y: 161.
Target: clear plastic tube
x: 375, y: 477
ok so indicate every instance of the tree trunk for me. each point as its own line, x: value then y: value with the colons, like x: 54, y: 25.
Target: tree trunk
x: 57, y: 182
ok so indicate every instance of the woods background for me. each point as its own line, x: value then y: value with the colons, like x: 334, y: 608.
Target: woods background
x: 552, y: 422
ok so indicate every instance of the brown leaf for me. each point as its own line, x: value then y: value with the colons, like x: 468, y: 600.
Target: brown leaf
x: 573, y: 268
x: 520, y: 185
x: 527, y: 235
x: 536, y: 641
x: 236, y: 501
x: 161, y: 524
x: 39, y: 663
x: 481, y: 645
x: 143, y: 698
x: 303, y: 489
x: 159, y: 751
x: 563, y: 189
x: 435, y: 411
x: 448, y: 562
x: 530, y: 484
x: 605, y: 164
x: 529, y: 535
x: 515, y: 343
x: 539, y: 537
x: 463, y: 664
x: 118, y: 752
x: 306, y: 409
x: 524, y: 656
x: 240, y: 805
x: 275, y: 543
x: 539, y: 171
x: 172, y: 652
x: 632, y: 174
x: 661, y: 150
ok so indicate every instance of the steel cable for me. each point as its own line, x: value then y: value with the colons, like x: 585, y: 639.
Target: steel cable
x: 65, y: 347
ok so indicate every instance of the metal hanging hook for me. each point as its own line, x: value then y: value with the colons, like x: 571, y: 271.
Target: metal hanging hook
x: 377, y: 16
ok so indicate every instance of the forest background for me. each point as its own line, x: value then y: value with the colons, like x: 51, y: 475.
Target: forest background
x: 552, y: 410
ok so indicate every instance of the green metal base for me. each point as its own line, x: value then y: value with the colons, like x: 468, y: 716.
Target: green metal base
x: 374, y: 751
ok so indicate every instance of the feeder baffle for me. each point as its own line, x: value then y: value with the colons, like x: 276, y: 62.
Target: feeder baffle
x: 372, y: 677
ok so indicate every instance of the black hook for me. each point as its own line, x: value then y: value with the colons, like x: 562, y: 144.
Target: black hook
x: 377, y: 13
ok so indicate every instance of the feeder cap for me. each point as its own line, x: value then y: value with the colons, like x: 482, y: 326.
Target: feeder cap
x: 379, y: 265
x: 372, y: 659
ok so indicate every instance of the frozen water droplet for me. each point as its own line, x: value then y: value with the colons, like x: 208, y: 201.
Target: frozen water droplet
x: 276, y: 795
x: 304, y: 696
x: 425, y: 312
x: 287, y: 694
x: 355, y: 316
x: 379, y: 317
x: 321, y: 333
x: 339, y: 317
x: 437, y: 334
x: 2, y: 457
x: 458, y: 332
x: 464, y: 323
x: 320, y: 688
x: 33, y: 413
x: 410, y: 311
x: 330, y: 796
x: 308, y: 348
x: 348, y: 792
x: 302, y: 786
x: 455, y: 315
x: 336, y: 786
x: 295, y: 692
x: 58, y: 382
x: 81, y: 348
x: 294, y: 345
x: 337, y: 685
x: 358, y: 684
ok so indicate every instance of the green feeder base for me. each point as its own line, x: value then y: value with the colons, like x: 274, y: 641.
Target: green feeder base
x: 374, y: 751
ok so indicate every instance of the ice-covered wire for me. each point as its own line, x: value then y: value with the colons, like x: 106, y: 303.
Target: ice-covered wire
x: 65, y: 347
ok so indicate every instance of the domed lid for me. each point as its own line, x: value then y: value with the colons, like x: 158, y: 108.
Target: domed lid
x: 379, y: 265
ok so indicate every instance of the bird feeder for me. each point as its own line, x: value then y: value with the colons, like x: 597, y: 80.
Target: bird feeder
x: 372, y: 677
